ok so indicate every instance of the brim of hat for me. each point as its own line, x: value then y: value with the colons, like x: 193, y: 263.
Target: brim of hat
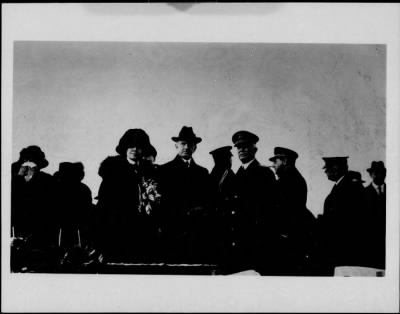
x: 276, y: 156
x: 195, y: 140
x: 242, y: 142
x: 41, y: 163
x: 376, y: 169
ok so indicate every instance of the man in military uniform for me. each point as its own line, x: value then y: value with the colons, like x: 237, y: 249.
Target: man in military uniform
x: 255, y: 188
x: 222, y: 179
x: 295, y: 220
x: 342, y: 227
x: 185, y: 189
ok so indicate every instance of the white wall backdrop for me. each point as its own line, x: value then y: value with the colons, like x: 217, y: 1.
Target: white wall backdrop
x: 76, y: 99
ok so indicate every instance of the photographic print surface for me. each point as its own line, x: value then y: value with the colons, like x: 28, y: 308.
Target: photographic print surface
x: 85, y: 199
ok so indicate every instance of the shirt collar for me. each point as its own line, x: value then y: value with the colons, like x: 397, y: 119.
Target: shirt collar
x: 247, y: 164
x: 187, y: 162
x: 376, y: 187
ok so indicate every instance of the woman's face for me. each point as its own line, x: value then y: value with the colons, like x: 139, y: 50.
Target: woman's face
x: 134, y: 153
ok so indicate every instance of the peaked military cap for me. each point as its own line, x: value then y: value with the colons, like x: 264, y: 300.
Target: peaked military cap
x: 377, y: 166
x: 284, y: 152
x: 187, y: 134
x: 244, y: 137
x: 224, y: 150
x: 335, y: 161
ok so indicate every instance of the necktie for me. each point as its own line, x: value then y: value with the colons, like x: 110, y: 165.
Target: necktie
x: 240, y: 171
x: 380, y: 189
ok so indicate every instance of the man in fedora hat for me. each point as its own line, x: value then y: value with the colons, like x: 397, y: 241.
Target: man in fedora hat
x: 343, y: 225
x: 33, y: 206
x: 295, y: 221
x: 186, y: 200
x: 376, y: 198
x: 254, y: 201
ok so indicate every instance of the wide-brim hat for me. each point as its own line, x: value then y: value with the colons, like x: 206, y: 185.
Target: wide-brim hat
x: 133, y: 138
x: 35, y: 154
x: 377, y: 166
x: 222, y: 151
x: 280, y: 152
x: 242, y: 137
x: 355, y: 176
x: 187, y: 134
x: 337, y: 160
x: 70, y: 170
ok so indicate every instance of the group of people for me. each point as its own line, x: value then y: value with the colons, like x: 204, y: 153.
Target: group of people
x: 179, y: 213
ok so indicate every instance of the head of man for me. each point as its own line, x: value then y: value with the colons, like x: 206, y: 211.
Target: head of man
x: 245, y: 143
x: 377, y: 171
x: 283, y: 159
x: 186, y: 143
x: 335, y: 167
x: 133, y: 144
x: 222, y: 157
x: 151, y: 154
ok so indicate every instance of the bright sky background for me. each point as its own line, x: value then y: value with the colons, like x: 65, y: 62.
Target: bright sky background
x: 76, y: 99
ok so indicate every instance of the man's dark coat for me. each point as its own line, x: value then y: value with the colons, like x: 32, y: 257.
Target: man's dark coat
x: 377, y: 226
x: 343, y: 225
x: 251, y: 218
x: 295, y: 222
x: 185, y: 205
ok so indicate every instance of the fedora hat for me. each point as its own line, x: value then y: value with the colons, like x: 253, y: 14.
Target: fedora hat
x: 284, y: 152
x: 241, y: 137
x: 35, y: 154
x: 132, y: 138
x: 377, y: 166
x: 187, y: 134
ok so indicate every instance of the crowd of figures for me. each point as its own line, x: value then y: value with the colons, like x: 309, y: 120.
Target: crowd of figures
x: 179, y: 213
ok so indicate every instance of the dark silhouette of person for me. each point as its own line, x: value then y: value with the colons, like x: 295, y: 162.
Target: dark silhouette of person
x: 33, y: 217
x: 186, y: 202
x: 75, y: 207
x: 250, y: 215
x: 295, y: 222
x: 125, y: 227
x: 222, y: 180
x: 376, y: 199
x: 343, y: 224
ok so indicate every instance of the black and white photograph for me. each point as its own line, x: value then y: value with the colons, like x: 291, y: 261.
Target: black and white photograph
x: 240, y: 162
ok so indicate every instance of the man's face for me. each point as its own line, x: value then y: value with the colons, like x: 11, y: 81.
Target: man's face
x: 223, y: 161
x: 246, y: 152
x: 333, y: 172
x: 279, y: 164
x: 185, y: 149
x: 134, y: 153
x: 378, y: 177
